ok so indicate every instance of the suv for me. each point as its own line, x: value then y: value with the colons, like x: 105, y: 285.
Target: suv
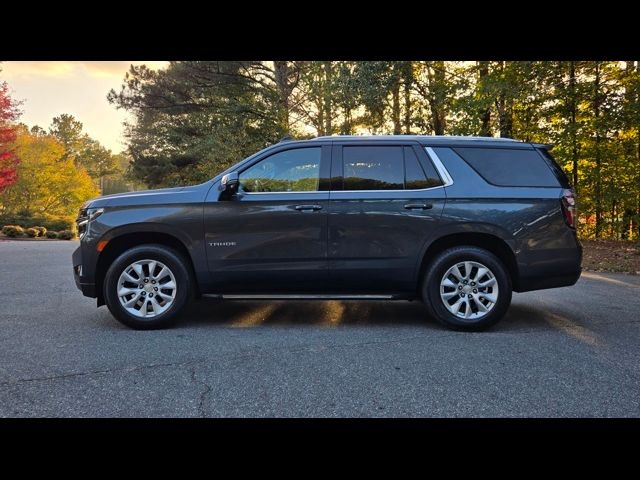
x: 457, y: 222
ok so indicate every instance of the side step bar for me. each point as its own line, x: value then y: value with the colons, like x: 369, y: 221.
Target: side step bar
x: 302, y: 297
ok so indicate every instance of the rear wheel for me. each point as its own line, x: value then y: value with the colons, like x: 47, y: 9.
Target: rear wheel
x: 147, y: 287
x: 467, y: 288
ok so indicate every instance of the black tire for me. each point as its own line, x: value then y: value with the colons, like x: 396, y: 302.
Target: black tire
x: 437, y: 269
x: 174, y: 261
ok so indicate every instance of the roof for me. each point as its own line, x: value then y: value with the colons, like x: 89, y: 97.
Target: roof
x: 449, y: 140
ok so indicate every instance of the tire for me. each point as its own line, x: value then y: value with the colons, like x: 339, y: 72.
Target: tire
x: 496, y: 284
x: 162, y: 306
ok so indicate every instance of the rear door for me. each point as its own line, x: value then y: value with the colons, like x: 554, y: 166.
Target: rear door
x: 386, y: 198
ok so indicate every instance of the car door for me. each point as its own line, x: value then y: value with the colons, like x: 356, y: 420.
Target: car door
x: 386, y: 199
x: 272, y: 235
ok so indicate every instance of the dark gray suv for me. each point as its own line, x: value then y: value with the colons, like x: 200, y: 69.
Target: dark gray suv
x: 457, y: 222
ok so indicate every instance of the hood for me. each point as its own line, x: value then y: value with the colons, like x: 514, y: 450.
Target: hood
x: 150, y: 197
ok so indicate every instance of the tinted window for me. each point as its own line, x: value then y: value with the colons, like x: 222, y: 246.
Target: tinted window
x: 509, y: 167
x: 296, y: 170
x: 562, y: 177
x: 415, y: 177
x: 373, y: 168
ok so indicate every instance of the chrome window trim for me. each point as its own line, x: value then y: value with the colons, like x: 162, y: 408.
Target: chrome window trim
x: 283, y: 193
x: 392, y: 191
x: 439, y: 166
x: 442, y: 171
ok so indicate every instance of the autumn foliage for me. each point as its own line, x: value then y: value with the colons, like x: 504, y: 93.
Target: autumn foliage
x: 8, y: 158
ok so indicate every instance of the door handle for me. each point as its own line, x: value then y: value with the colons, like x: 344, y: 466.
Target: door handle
x: 418, y: 206
x: 306, y: 208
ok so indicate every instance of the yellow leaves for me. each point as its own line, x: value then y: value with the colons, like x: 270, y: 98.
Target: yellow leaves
x: 47, y: 182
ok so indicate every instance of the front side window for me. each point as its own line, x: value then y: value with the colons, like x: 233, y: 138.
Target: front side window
x: 296, y: 170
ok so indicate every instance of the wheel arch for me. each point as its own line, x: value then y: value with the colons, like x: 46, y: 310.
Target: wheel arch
x: 490, y: 241
x: 119, y: 243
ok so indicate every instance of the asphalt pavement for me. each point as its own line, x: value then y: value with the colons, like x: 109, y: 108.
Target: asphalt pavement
x: 567, y: 352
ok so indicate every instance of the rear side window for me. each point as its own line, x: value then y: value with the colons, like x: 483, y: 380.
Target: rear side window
x: 553, y: 165
x: 385, y: 168
x: 415, y: 176
x: 508, y: 167
x: 373, y: 168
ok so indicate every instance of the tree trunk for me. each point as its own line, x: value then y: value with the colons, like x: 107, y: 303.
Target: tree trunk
x: 408, y: 80
x: 328, y: 107
x: 505, y: 112
x: 573, y: 127
x: 395, y: 107
x: 286, y: 77
x: 439, y: 105
x: 598, y: 160
x: 485, y: 114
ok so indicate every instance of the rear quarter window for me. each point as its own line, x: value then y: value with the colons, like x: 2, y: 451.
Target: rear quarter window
x: 509, y: 167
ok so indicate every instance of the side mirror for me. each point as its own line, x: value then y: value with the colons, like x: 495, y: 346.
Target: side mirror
x: 230, y: 183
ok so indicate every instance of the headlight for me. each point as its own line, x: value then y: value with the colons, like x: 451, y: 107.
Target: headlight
x: 85, y: 216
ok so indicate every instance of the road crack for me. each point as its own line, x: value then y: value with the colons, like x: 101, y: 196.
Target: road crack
x: 95, y: 372
x: 207, y: 388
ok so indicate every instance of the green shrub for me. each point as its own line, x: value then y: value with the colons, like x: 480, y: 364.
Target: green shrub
x: 51, y: 234
x: 6, y: 228
x: 66, y: 235
x: 32, y: 232
x: 13, y: 230
x: 50, y: 223
x: 42, y: 231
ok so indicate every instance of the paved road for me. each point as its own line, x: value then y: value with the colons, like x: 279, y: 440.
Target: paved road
x: 565, y: 352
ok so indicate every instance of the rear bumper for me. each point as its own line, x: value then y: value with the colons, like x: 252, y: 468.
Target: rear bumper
x: 553, y: 268
x: 540, y: 283
x: 85, y: 285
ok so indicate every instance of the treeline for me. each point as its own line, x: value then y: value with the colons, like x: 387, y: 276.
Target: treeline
x: 53, y: 172
x: 193, y: 119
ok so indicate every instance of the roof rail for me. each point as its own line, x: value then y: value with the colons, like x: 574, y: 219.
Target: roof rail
x: 452, y: 137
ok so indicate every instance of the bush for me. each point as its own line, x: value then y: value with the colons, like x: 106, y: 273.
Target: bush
x: 13, y: 230
x: 51, y: 234
x: 66, y: 235
x: 50, y: 223
x: 32, y: 232
x: 42, y: 231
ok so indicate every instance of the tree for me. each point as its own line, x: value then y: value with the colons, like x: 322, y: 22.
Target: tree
x: 81, y: 148
x: 9, y: 159
x: 48, y: 183
x: 68, y: 131
x: 194, y: 119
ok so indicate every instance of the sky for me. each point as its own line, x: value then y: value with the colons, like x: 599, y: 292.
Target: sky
x: 49, y: 88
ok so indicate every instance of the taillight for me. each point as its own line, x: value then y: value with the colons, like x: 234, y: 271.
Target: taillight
x: 569, y: 210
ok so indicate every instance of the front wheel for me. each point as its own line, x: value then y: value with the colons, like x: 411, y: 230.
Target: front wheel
x: 467, y: 288
x: 147, y: 287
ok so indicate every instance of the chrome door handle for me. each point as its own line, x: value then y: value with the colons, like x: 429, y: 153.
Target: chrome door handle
x: 306, y: 208
x: 418, y: 206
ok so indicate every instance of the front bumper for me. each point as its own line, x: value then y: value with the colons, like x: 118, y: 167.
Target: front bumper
x: 86, y: 285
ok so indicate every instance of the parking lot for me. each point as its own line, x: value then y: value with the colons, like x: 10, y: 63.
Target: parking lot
x: 568, y: 352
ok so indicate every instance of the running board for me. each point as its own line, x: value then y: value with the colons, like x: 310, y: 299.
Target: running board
x: 302, y: 297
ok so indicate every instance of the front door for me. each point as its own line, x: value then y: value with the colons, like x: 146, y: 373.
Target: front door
x: 272, y: 236
x: 386, y: 199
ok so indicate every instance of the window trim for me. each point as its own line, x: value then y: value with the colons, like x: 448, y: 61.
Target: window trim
x: 442, y: 170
